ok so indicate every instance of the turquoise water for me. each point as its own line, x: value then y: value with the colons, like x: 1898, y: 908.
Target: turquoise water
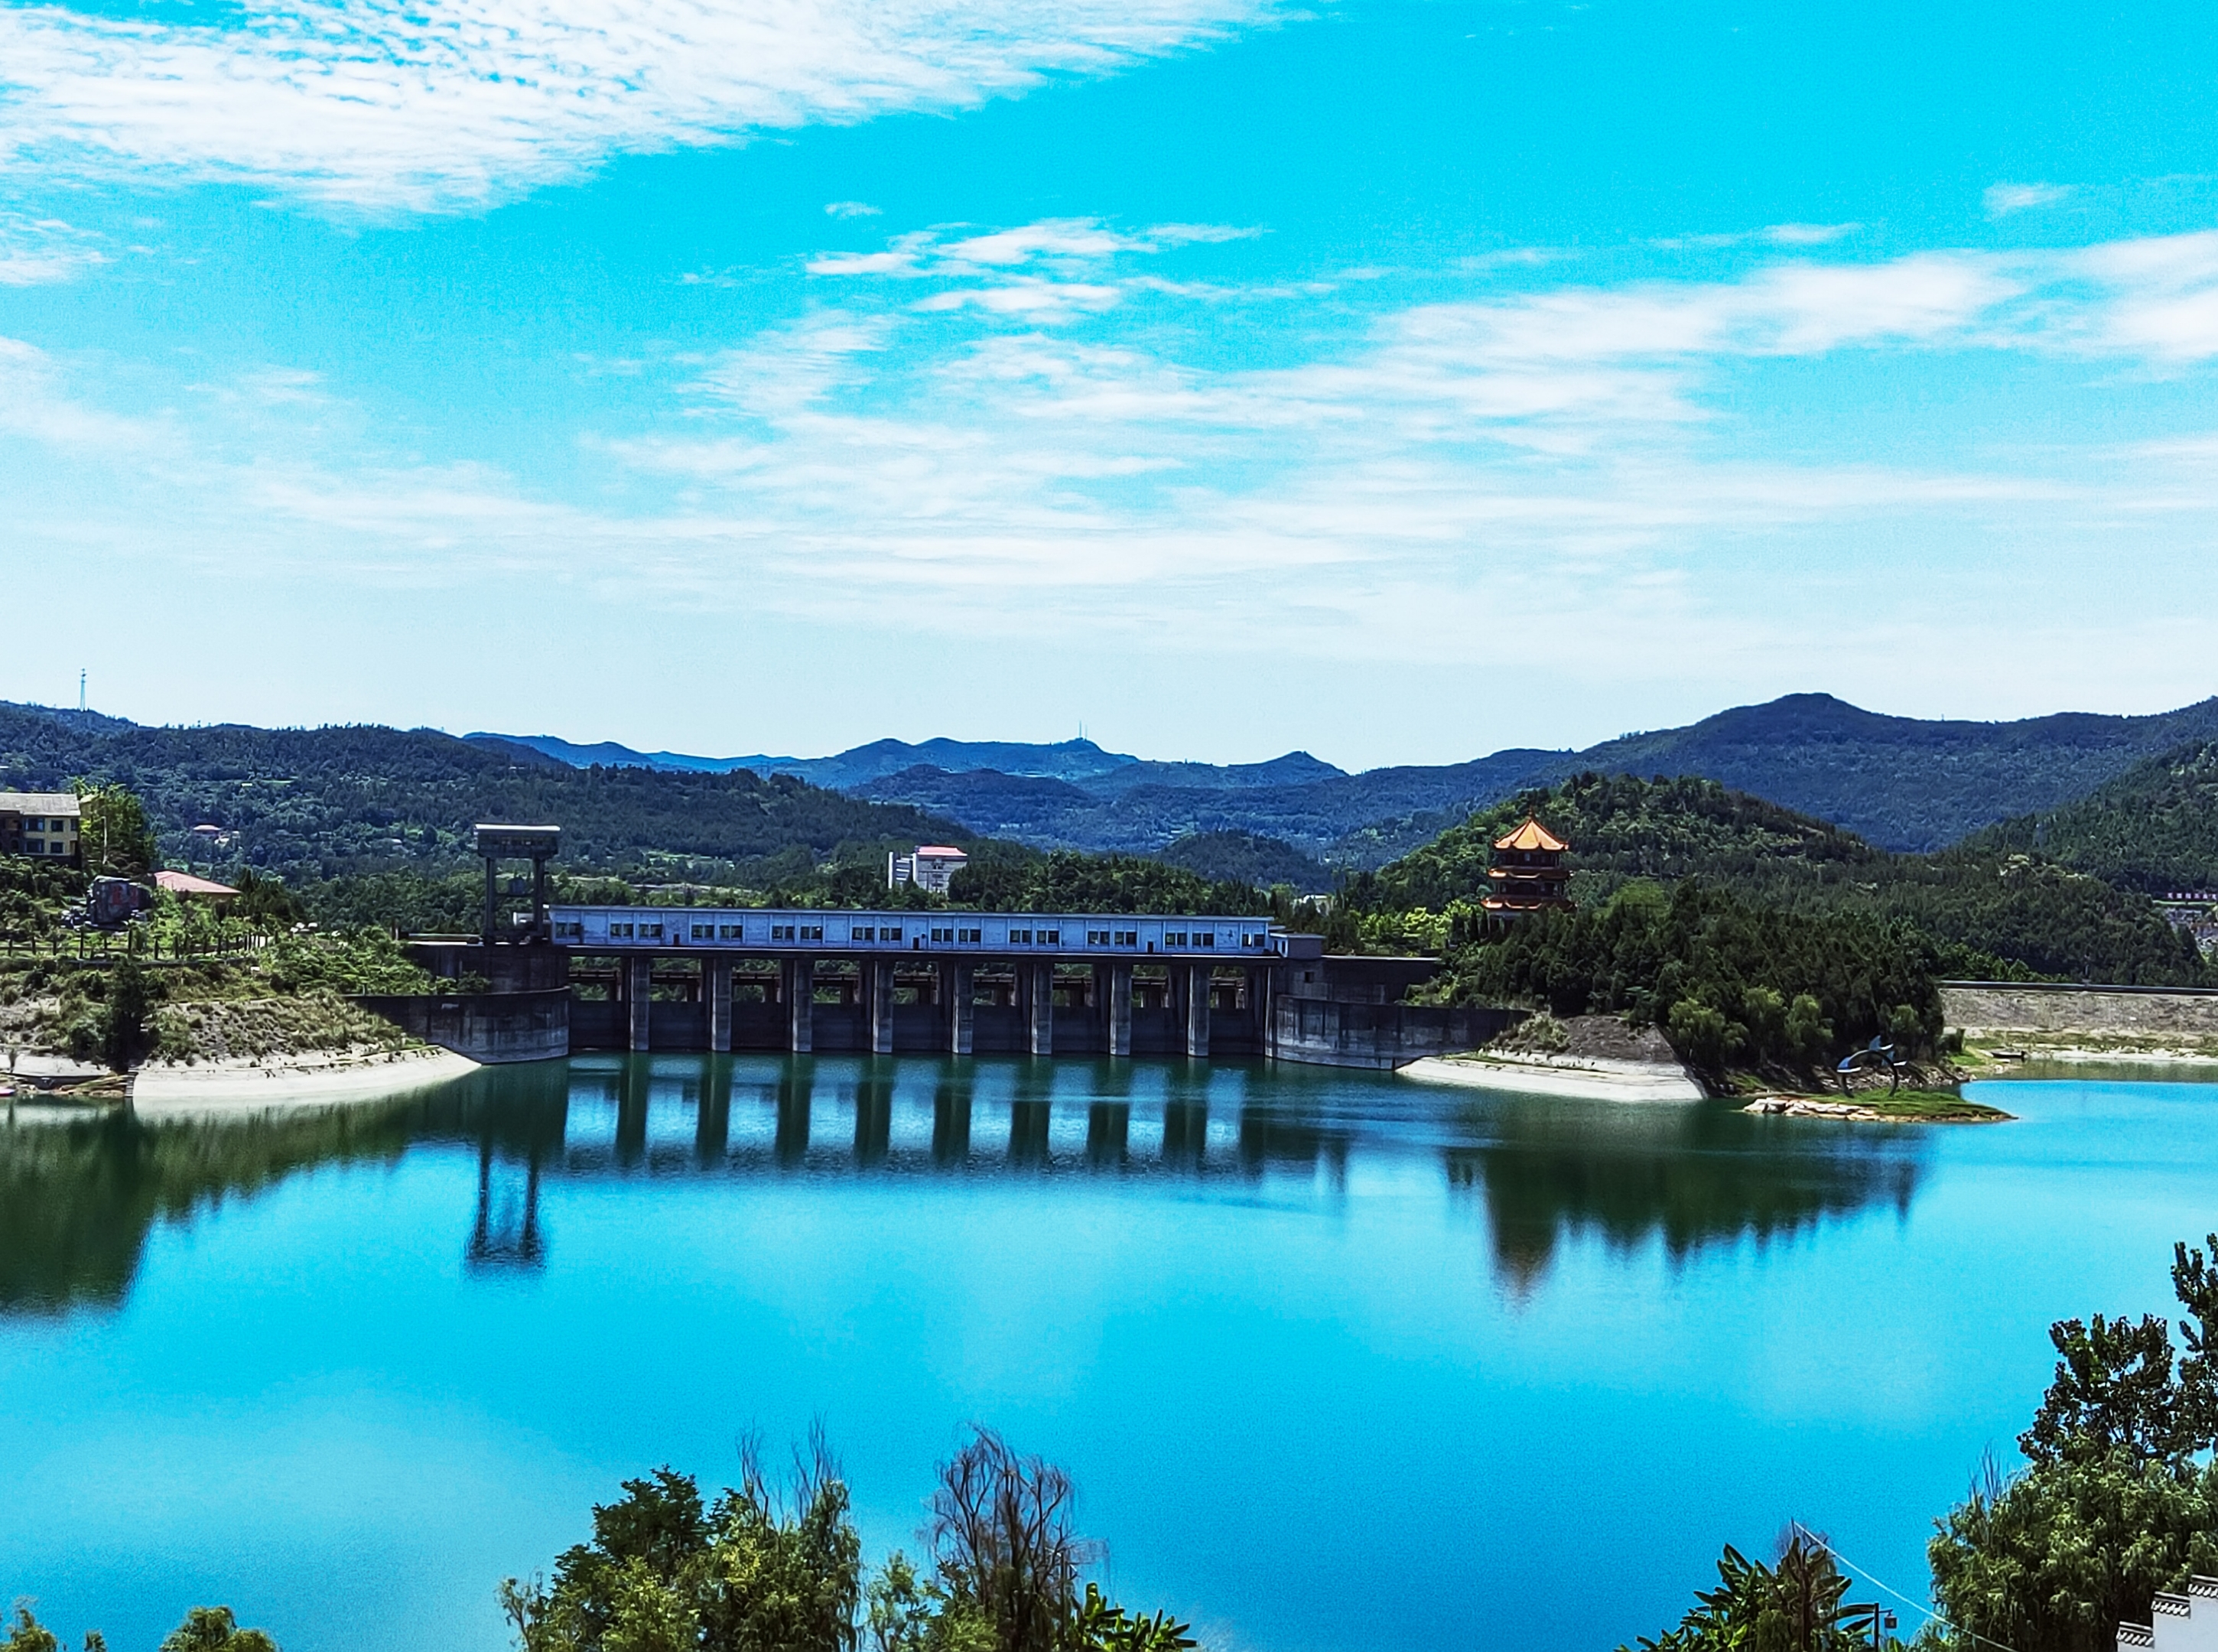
x: 1338, y: 1360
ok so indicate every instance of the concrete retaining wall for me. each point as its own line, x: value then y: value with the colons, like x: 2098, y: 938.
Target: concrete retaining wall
x: 1325, y: 1033
x: 2128, y: 1011
x: 487, y: 1027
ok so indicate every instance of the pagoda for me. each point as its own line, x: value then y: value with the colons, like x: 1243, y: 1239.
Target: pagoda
x: 1529, y: 874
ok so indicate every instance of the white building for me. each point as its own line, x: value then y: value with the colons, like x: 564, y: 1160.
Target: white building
x: 2178, y: 1622
x: 932, y: 868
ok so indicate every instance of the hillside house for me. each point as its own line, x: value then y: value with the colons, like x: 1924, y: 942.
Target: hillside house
x: 44, y: 824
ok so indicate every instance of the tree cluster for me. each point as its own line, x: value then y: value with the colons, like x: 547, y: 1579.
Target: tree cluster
x: 1986, y: 911
x: 1731, y: 983
x: 205, y: 1629
x: 2155, y: 828
x: 2119, y: 1499
x: 1068, y: 882
x: 761, y: 1570
x: 1797, y: 1604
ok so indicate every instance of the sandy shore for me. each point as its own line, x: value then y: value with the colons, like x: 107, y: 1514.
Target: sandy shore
x: 2155, y: 1055
x: 319, y: 1081
x: 1587, y: 1078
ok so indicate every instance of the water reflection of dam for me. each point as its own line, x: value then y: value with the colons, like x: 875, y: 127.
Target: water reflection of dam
x: 824, y: 1115
x: 76, y: 1201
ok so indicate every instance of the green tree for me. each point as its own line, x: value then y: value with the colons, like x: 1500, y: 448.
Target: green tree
x: 26, y: 1634
x: 748, y: 1573
x: 114, y: 835
x: 1100, y: 1626
x: 126, y: 1018
x: 2117, y: 1503
x: 213, y: 1629
x: 1795, y: 1605
x: 265, y: 902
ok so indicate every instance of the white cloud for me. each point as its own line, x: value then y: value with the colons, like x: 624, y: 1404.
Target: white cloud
x: 384, y: 105
x: 1808, y: 235
x: 851, y: 209
x: 2003, y: 199
x: 916, y: 464
x: 1030, y: 296
x: 35, y: 252
x: 1051, y: 269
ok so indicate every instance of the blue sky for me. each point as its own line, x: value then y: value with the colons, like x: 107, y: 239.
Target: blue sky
x: 1396, y: 381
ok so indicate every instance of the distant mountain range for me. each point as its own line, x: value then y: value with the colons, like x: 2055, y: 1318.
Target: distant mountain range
x: 1901, y: 783
x: 315, y: 803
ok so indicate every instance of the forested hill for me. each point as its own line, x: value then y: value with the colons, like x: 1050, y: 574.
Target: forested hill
x: 1900, y: 783
x: 2155, y: 828
x: 1620, y: 828
x: 1984, y: 911
x: 321, y: 802
x: 1904, y: 782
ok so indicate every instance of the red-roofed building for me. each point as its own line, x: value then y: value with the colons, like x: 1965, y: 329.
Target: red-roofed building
x: 1529, y: 874
x: 187, y: 887
x: 932, y: 868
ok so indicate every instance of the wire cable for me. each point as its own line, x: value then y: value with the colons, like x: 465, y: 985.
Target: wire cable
x: 1872, y: 1579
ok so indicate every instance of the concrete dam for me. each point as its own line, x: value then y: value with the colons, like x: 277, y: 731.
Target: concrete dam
x: 721, y: 979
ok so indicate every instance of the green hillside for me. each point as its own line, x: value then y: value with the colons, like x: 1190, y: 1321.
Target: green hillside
x: 312, y: 804
x: 2154, y: 829
x: 1983, y: 910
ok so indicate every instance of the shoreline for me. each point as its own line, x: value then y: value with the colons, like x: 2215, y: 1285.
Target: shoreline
x: 1590, y: 1079
x: 2036, y: 1055
x: 225, y: 1088
x: 1855, y: 1112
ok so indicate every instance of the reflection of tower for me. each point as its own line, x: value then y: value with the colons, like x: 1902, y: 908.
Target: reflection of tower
x: 506, y: 1233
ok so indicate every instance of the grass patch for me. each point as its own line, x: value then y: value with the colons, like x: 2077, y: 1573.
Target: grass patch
x: 1938, y: 1105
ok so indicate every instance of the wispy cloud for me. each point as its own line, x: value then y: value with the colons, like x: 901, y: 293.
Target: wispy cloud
x: 391, y: 104
x: 2003, y: 199
x: 940, y: 469
x: 850, y: 209
x: 35, y: 252
x: 1049, y: 270
x: 1063, y: 244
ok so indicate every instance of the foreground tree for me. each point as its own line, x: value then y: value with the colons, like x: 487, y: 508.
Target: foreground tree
x: 205, y: 1629
x: 1793, y: 1604
x: 2119, y: 1500
x: 213, y: 1629
x: 757, y: 1572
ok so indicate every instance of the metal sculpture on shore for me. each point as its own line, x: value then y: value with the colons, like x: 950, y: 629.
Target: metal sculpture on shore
x: 1870, y: 1059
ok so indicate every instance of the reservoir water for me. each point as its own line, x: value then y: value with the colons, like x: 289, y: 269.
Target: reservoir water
x: 1338, y: 1360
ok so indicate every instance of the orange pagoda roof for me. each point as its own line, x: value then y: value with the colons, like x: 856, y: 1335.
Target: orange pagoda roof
x: 1531, y: 836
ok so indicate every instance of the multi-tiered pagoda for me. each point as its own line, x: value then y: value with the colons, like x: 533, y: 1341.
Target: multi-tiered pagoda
x: 1529, y: 874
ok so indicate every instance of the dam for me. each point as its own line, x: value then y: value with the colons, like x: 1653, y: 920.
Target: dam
x: 555, y: 978
x: 806, y: 981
